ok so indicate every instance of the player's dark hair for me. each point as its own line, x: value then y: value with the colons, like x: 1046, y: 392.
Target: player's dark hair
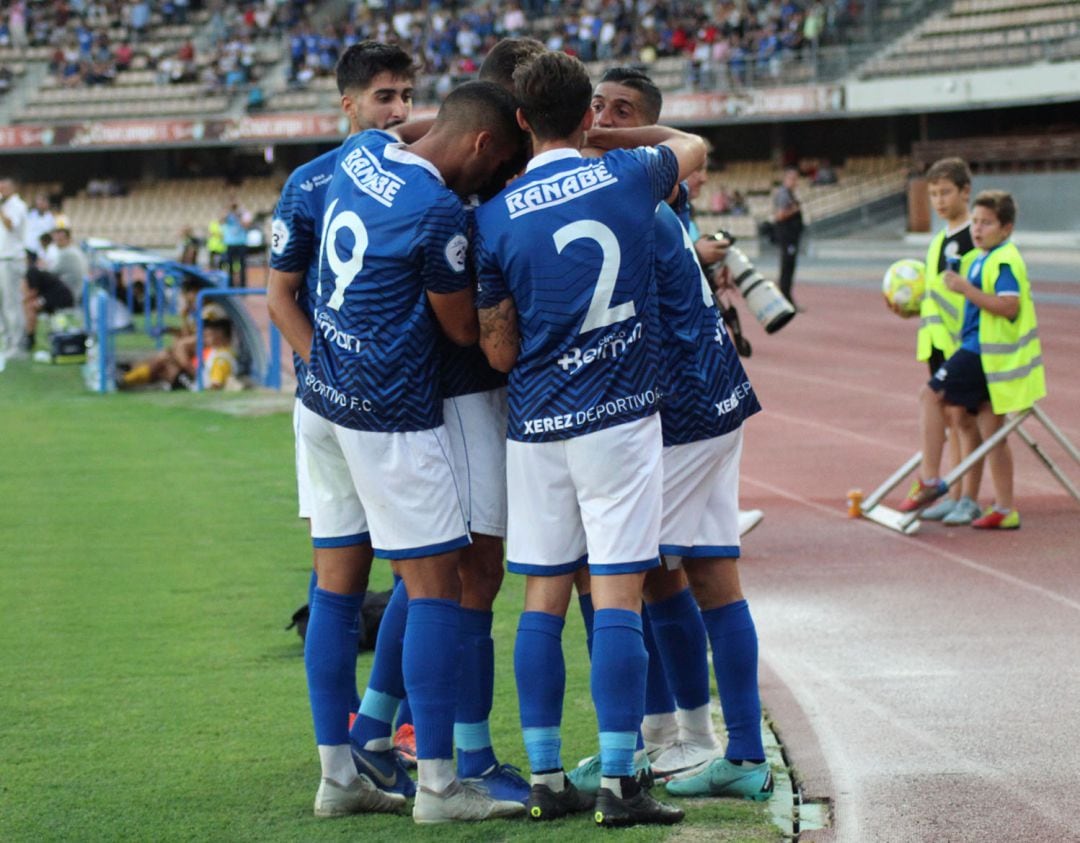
x: 362, y: 62
x: 554, y: 92
x: 507, y: 56
x: 1000, y: 202
x: 639, y: 81
x: 955, y: 170
x: 482, y: 106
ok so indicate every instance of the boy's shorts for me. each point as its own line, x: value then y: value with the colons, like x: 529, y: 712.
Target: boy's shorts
x: 962, y: 381
x: 936, y: 360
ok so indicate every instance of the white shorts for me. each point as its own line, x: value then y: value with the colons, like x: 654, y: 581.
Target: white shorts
x: 303, y: 484
x: 401, y: 484
x: 476, y: 425
x: 593, y: 499
x: 701, y: 499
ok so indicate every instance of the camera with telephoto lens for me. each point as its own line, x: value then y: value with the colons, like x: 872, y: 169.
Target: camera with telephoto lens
x: 769, y: 306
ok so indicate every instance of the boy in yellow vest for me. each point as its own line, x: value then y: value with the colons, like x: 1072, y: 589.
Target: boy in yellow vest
x: 940, y: 318
x: 998, y: 367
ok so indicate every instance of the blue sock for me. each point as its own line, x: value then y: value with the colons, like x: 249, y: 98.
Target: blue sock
x: 587, y: 615
x: 540, y: 672
x: 472, y: 734
x: 330, y: 662
x: 682, y: 640
x: 404, y: 712
x: 618, y: 687
x: 386, y: 685
x: 735, y: 659
x: 312, y: 585
x: 658, y: 696
x: 432, y: 663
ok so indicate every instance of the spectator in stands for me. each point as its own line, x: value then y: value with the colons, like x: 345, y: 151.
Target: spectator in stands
x: 234, y: 234
x: 738, y: 204
x: 6, y: 76
x: 825, y: 173
x: 39, y: 221
x: 788, y: 225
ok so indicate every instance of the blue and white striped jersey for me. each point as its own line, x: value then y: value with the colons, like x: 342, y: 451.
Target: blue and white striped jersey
x: 572, y: 242
x: 391, y: 232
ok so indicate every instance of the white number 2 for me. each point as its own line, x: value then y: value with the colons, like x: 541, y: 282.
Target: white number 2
x: 600, y: 313
x: 345, y: 272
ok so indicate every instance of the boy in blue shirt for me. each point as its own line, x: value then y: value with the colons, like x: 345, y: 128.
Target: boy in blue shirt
x: 998, y: 367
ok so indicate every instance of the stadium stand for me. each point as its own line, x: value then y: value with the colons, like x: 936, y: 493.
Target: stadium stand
x: 860, y: 180
x: 983, y: 33
x: 152, y: 215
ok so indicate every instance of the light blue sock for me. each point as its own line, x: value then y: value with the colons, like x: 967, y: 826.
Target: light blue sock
x: 472, y: 733
x: 432, y: 664
x: 735, y: 659
x: 540, y: 671
x: 619, y: 665
x: 683, y: 644
x: 386, y: 685
x: 330, y: 662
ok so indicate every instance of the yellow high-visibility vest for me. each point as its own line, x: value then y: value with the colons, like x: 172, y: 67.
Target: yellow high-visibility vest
x: 941, y: 315
x: 1010, y: 350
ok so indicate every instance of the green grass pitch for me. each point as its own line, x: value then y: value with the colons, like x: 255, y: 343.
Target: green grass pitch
x: 150, y: 557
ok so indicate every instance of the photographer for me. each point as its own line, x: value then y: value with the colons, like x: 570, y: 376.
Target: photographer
x: 788, y: 222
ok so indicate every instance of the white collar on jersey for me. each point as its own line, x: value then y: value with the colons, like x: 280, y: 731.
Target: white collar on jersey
x: 398, y: 152
x: 552, y: 155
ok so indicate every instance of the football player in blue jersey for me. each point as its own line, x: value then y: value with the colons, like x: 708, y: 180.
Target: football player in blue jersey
x: 475, y: 413
x: 392, y: 274
x: 707, y: 397
x: 376, y: 85
x: 566, y: 287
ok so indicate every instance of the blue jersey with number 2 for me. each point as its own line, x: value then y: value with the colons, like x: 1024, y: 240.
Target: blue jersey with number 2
x: 391, y: 233
x: 572, y: 242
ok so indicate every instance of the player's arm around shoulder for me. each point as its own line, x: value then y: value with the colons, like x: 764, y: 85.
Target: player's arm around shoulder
x: 690, y: 150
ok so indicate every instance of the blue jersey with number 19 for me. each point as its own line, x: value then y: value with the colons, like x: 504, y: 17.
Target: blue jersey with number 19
x: 706, y: 391
x: 572, y: 242
x: 391, y: 233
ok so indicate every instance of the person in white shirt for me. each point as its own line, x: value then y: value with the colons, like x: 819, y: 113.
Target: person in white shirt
x: 12, y: 264
x: 39, y: 220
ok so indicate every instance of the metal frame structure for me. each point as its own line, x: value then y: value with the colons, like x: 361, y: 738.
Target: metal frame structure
x: 908, y: 522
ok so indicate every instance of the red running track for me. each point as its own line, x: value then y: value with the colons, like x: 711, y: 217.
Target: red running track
x: 927, y: 685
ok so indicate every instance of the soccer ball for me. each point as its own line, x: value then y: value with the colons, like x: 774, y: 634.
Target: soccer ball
x: 904, y: 284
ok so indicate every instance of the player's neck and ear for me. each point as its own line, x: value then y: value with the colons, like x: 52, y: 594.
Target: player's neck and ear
x: 540, y: 144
